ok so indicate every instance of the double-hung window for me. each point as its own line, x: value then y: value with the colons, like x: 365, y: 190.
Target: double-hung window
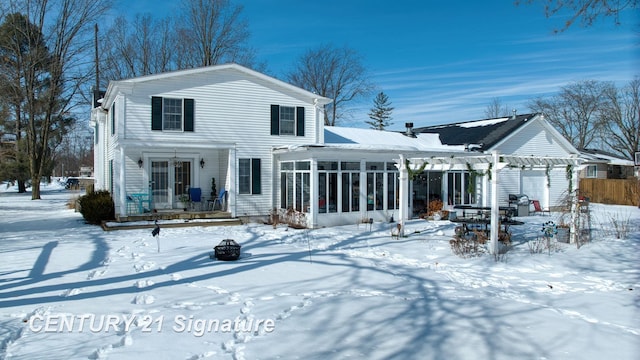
x: 249, y: 176
x: 287, y: 120
x: 171, y: 114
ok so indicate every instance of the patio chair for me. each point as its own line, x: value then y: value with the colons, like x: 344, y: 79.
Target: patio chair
x: 132, y: 205
x: 538, y: 209
x: 195, y: 198
x: 145, y: 203
x: 219, y: 200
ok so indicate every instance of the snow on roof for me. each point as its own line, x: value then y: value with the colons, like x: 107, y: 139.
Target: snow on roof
x: 479, y: 123
x: 595, y: 155
x: 383, y: 140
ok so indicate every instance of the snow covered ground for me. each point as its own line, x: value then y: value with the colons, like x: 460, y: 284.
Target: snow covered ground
x: 73, y: 291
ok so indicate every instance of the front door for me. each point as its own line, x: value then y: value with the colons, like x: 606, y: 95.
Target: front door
x: 170, y: 182
x: 181, y: 183
x: 160, y: 184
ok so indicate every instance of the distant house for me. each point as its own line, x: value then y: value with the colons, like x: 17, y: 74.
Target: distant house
x: 600, y: 164
x: 265, y: 143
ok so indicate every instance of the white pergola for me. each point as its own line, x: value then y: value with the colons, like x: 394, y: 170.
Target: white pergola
x: 483, y: 162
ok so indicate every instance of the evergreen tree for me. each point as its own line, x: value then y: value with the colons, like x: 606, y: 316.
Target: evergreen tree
x: 43, y: 68
x: 24, y: 59
x: 380, y: 113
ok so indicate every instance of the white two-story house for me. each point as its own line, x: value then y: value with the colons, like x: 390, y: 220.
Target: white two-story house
x: 163, y: 134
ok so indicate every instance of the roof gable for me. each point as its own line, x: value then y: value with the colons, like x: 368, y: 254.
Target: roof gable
x: 208, y: 70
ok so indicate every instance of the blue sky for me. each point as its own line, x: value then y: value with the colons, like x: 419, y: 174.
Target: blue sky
x: 442, y: 61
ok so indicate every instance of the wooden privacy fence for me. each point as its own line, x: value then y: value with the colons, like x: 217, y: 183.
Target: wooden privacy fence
x: 611, y: 191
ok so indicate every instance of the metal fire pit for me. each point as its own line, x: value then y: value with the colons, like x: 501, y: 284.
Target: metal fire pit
x: 227, y: 250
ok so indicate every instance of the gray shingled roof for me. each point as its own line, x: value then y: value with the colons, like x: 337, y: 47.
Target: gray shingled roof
x: 486, y: 132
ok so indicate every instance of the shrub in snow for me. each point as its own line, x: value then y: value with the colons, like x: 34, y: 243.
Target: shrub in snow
x: 97, y: 206
x: 620, y: 225
x: 468, y: 245
x: 293, y: 218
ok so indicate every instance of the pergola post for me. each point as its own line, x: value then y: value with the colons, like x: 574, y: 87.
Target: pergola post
x: 573, y: 227
x: 495, y: 214
x: 403, y: 193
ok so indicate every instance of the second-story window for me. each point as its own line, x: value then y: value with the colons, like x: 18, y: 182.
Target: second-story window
x: 172, y: 114
x: 287, y: 120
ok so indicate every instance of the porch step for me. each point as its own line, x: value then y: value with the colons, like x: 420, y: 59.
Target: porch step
x: 172, y: 223
x: 173, y: 215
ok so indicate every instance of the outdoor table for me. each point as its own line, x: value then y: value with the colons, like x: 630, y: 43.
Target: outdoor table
x: 469, y: 223
x: 485, y: 211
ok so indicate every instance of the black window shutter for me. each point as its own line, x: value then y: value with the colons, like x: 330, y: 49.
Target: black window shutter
x: 156, y: 113
x: 275, y: 120
x: 256, y: 186
x: 188, y: 114
x: 113, y: 118
x: 300, y: 121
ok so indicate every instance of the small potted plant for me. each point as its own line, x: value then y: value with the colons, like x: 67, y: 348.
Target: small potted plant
x: 214, y: 191
x: 184, y: 199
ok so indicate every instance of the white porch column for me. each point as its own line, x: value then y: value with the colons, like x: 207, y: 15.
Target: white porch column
x: 495, y: 214
x: 231, y: 191
x: 122, y: 196
x: 403, y: 193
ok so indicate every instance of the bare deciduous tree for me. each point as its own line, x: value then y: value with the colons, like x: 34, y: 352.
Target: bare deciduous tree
x: 586, y: 11
x: 203, y: 33
x: 214, y: 32
x: 621, y: 119
x: 496, y: 109
x: 141, y: 47
x: 576, y: 111
x: 335, y: 73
